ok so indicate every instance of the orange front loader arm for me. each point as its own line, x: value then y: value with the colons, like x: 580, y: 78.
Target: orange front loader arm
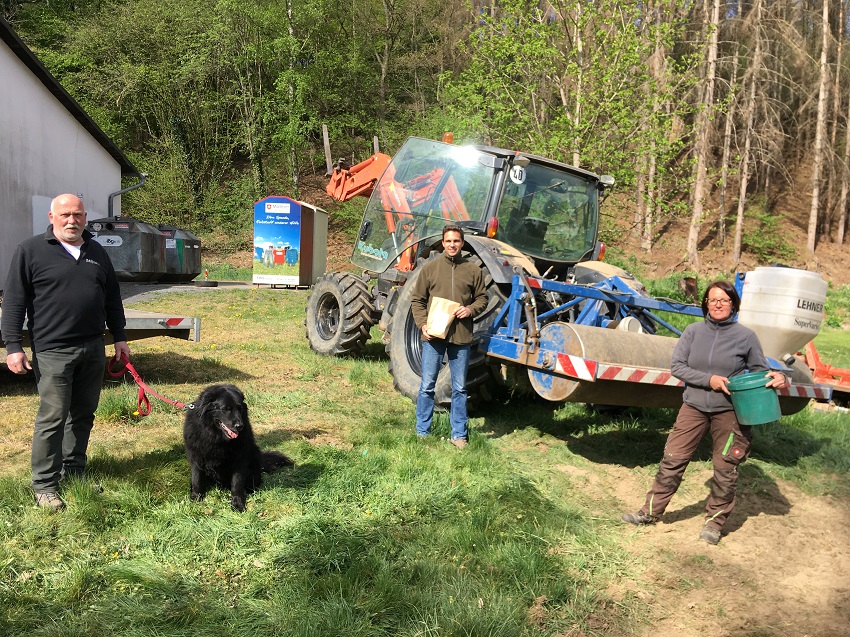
x: 397, y: 200
x: 358, y: 180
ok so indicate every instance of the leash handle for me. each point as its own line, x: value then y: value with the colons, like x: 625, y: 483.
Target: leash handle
x: 143, y: 404
x: 124, y: 362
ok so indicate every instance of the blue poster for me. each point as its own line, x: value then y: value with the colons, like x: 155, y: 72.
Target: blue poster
x: 277, y: 241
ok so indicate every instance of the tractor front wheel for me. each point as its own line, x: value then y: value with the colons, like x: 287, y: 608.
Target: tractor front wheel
x: 405, y: 347
x: 340, y: 315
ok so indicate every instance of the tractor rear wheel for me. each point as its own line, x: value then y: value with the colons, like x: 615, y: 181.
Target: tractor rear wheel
x: 404, y: 347
x: 340, y: 314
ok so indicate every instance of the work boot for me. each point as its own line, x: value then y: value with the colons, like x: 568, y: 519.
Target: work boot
x: 460, y: 443
x: 639, y: 518
x: 710, y: 534
x: 49, y: 500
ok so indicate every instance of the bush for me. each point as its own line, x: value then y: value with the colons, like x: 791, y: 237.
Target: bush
x: 766, y: 240
x: 837, y: 306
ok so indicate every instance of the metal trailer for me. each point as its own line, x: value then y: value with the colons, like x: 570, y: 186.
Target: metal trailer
x: 141, y: 324
x: 609, y: 352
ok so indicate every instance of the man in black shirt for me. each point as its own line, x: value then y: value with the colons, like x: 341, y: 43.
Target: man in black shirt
x: 64, y: 284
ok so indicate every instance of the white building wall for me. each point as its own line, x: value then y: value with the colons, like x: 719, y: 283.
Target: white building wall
x: 44, y: 152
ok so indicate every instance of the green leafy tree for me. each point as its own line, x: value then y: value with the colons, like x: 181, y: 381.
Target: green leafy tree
x: 574, y: 81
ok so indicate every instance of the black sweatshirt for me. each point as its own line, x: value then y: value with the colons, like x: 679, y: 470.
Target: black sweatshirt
x: 67, y: 302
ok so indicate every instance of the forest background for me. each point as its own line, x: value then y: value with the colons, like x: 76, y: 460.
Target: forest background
x: 725, y: 123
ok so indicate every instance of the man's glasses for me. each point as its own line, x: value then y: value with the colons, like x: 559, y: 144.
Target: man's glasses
x: 719, y: 301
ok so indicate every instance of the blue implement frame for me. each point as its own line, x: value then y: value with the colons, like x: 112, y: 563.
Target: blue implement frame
x: 515, y: 332
x: 512, y: 322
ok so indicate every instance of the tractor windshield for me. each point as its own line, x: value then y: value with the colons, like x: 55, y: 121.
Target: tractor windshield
x: 548, y: 213
x: 427, y: 185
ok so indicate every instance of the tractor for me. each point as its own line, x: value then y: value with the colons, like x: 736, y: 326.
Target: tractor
x: 519, y: 212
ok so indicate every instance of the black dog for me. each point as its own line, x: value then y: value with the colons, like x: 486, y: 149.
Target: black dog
x: 220, y: 446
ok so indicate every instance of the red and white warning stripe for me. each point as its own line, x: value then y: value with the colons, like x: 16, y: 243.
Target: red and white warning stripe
x: 586, y: 369
x: 576, y: 367
x: 638, y: 375
x: 818, y: 392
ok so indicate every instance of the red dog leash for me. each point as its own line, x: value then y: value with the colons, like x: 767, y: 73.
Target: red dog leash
x: 144, y: 405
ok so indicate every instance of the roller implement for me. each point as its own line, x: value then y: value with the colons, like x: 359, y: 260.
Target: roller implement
x: 559, y: 321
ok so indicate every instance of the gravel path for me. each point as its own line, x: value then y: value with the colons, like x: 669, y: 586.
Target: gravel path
x: 135, y: 292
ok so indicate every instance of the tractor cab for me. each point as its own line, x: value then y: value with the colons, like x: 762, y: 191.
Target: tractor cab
x: 547, y: 210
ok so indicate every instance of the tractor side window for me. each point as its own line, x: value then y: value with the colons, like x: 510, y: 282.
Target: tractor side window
x: 551, y: 214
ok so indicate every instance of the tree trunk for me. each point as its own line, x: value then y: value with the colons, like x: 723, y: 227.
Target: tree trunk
x: 578, y: 90
x: 834, y: 114
x: 651, y: 197
x: 658, y: 78
x: 384, y: 62
x: 293, y: 157
x: 702, y: 148
x: 845, y: 182
x: 820, y: 129
x: 743, y: 182
x: 727, y: 143
x: 749, y: 117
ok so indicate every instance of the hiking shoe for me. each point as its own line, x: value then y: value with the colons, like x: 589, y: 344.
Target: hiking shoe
x: 460, y: 443
x: 49, y: 500
x: 639, y: 518
x: 710, y: 535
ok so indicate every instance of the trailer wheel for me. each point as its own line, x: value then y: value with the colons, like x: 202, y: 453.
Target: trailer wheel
x: 405, y: 347
x: 340, y: 315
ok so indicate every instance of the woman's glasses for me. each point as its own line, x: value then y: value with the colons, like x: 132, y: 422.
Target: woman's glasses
x: 719, y: 301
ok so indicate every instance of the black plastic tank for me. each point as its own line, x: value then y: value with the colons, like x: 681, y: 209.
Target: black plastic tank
x: 182, y: 254
x: 136, y: 248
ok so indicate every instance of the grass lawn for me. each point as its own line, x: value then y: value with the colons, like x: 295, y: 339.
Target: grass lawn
x: 834, y: 347
x: 373, y: 532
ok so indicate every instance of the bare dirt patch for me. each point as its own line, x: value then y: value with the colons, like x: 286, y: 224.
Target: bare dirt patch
x: 781, y: 571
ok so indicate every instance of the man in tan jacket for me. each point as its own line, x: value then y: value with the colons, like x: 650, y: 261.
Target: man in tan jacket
x: 449, y: 276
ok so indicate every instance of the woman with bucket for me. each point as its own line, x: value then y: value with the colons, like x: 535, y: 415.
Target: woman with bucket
x: 706, y: 357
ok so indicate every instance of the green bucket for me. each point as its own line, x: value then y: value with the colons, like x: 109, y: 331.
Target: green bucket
x: 754, y: 403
